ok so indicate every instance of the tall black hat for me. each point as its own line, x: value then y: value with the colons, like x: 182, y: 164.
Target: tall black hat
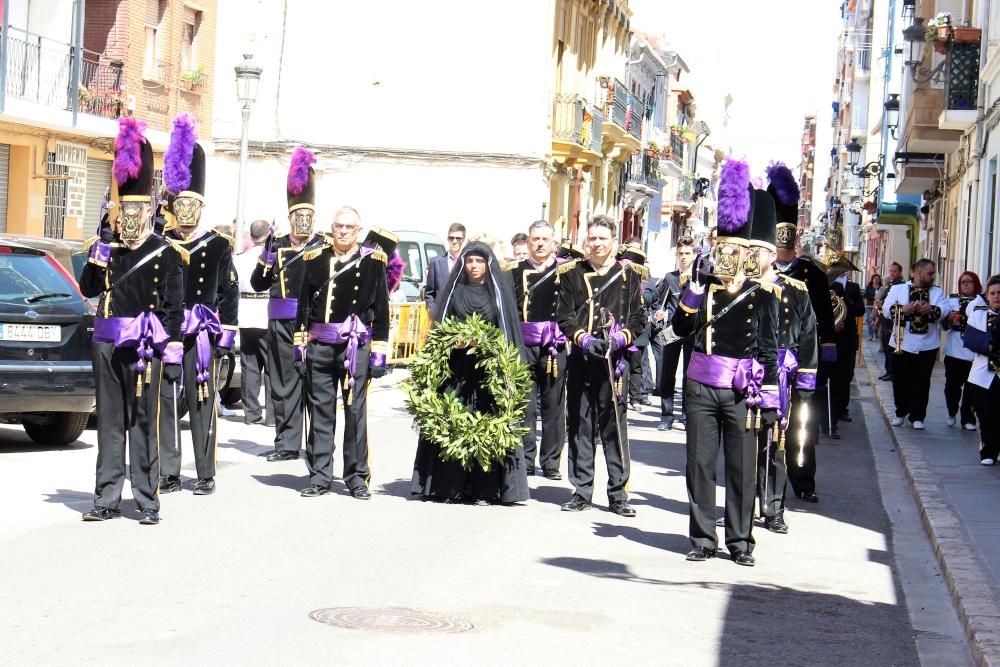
x: 569, y: 251
x: 736, y: 200
x: 301, y: 180
x: 632, y: 253
x: 785, y: 191
x: 133, y: 165
x: 184, y: 161
x: 379, y: 239
x: 762, y: 227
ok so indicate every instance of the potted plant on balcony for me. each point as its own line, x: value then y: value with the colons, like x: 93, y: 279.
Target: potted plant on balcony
x: 192, y: 79
x: 85, y: 95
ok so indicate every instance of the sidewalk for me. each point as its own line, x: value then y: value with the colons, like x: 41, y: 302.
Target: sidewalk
x: 959, y: 504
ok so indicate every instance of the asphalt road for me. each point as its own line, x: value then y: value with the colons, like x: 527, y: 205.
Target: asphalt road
x: 233, y: 578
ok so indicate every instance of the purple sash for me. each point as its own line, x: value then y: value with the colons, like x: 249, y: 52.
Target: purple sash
x: 545, y: 334
x: 282, y: 309
x: 788, y: 365
x: 744, y: 375
x: 201, y: 321
x: 351, y: 332
x: 144, y: 333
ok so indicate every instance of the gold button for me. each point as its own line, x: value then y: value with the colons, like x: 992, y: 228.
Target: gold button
x: 356, y: 288
x: 786, y: 310
x: 355, y: 301
x: 156, y: 266
x: 155, y: 279
x: 750, y: 306
x: 358, y: 274
x: 152, y: 306
x: 202, y: 253
x: 785, y: 299
x: 749, y: 321
x: 198, y: 292
x: 201, y: 280
x: 203, y: 265
x: 786, y: 321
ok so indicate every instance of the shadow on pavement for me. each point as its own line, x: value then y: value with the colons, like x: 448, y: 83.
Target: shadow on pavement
x: 552, y: 495
x: 81, y: 501
x: 30, y: 447
x: 399, y: 488
x: 284, y: 481
x: 248, y: 447
x: 678, y: 544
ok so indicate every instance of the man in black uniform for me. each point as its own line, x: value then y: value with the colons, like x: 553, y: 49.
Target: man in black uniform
x: 536, y: 286
x: 797, y: 353
x: 733, y: 366
x: 667, y: 297
x: 635, y: 355
x: 806, y: 408
x: 137, y: 330
x: 847, y: 336
x: 280, y: 270
x: 600, y: 310
x: 343, y: 320
x: 211, y: 303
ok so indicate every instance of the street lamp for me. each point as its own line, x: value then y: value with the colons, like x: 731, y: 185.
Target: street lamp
x: 247, y: 80
x: 892, y: 114
x: 914, y: 36
x: 853, y: 155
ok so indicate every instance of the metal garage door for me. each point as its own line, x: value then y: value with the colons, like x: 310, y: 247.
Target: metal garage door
x: 4, y: 173
x: 98, y: 180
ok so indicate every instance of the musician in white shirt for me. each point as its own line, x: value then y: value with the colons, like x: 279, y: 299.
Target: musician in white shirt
x: 957, y: 357
x: 982, y: 336
x: 917, y: 322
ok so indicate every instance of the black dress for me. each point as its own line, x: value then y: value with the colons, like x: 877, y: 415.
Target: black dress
x: 506, y: 482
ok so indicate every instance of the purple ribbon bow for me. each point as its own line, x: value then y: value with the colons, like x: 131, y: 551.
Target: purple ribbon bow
x: 748, y: 380
x: 351, y: 331
x: 788, y: 365
x: 201, y: 321
x: 545, y: 334
x: 144, y: 332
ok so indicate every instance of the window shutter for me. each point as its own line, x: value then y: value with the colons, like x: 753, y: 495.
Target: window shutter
x: 153, y: 12
x: 954, y: 7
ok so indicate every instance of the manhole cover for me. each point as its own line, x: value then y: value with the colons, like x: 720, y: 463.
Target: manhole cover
x: 392, y: 619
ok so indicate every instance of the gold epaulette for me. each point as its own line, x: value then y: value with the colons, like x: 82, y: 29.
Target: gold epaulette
x: 770, y: 287
x: 565, y: 267
x: 796, y: 283
x: 232, y: 241
x: 313, y: 254
x: 379, y: 256
x: 89, y: 243
x: 181, y: 250
x: 326, y: 236
x: 508, y: 264
x: 639, y: 269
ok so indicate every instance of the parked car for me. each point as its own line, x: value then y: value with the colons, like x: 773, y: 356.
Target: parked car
x: 417, y: 249
x: 69, y: 254
x: 46, y: 373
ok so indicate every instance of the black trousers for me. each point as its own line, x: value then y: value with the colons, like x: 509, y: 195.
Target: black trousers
x: 287, y: 386
x: 771, y: 474
x: 253, y: 371
x: 123, y: 416
x: 589, y: 413
x: 201, y: 416
x: 648, y: 381
x: 327, y: 378
x: 885, y: 333
x: 807, y: 411
x: 956, y: 374
x: 657, y: 364
x: 911, y: 383
x: 715, y: 414
x: 636, y: 376
x: 987, y: 401
x: 841, y: 376
x: 548, y: 393
x: 668, y: 378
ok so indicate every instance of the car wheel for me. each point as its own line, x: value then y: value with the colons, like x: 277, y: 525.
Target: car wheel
x: 61, y: 428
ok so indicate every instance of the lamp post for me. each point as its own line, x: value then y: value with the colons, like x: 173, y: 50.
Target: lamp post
x: 247, y: 79
x: 914, y: 36
x: 892, y: 114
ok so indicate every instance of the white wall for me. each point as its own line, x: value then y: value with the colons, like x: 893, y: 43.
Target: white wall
x: 52, y: 19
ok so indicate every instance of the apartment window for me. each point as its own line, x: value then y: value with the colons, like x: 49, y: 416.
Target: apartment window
x: 151, y: 53
x: 189, y: 37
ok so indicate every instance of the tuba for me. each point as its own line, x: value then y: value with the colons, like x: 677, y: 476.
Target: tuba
x: 839, y: 308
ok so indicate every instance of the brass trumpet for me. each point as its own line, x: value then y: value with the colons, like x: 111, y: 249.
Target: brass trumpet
x: 839, y: 308
x: 898, y: 328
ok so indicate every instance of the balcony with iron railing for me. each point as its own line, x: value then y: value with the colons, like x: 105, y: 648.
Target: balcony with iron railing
x: 863, y: 60
x: 619, y: 129
x: 677, y: 149
x: 576, y: 130
x: 102, y: 86
x: 643, y: 170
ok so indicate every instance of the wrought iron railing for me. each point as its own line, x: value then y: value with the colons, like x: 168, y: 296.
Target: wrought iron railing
x: 677, y: 149
x: 962, y: 80
x: 618, y: 104
x: 863, y: 59
x: 102, y: 87
x: 643, y: 169
x: 567, y: 118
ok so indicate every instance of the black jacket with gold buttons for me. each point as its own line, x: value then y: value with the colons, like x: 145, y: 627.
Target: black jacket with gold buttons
x: 803, y: 270
x: 284, y: 278
x: 797, y: 322
x: 577, y: 316
x: 209, y: 275
x: 541, y: 303
x: 157, y: 286
x: 747, y: 331
x: 359, y: 290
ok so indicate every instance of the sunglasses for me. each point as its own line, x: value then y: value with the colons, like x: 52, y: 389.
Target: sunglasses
x: 456, y: 238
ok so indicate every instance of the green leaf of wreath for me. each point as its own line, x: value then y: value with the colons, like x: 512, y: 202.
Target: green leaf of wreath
x: 469, y: 437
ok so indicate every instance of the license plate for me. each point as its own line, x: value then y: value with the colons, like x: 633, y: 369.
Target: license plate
x: 33, y: 333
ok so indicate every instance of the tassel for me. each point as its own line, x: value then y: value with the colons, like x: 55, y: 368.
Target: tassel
x: 555, y: 368
x: 548, y: 366
x: 149, y: 373
x: 138, y: 387
x: 758, y: 420
x: 749, y: 419
x: 781, y: 442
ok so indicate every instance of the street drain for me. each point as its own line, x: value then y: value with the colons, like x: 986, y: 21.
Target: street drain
x: 392, y: 619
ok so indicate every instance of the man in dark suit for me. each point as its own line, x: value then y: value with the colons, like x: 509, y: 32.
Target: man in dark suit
x: 846, y: 335
x: 666, y: 300
x: 440, y: 267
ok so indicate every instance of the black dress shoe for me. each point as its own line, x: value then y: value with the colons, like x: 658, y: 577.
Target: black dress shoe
x: 552, y: 473
x: 314, y: 490
x: 253, y: 420
x: 776, y: 524
x: 721, y: 522
x: 665, y: 425
x: 170, y: 484
x: 645, y: 401
x: 282, y: 455
x: 149, y: 517
x: 834, y: 435
x: 530, y: 471
x: 741, y: 557
x: 808, y: 496
x: 699, y: 554
x: 577, y: 504
x: 204, y: 487
x: 887, y: 377
x: 622, y: 508
x: 98, y: 513
x: 361, y: 493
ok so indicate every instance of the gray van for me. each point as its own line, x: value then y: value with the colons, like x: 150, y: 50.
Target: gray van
x: 417, y: 249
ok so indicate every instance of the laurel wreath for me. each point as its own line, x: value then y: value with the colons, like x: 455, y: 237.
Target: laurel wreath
x: 469, y: 437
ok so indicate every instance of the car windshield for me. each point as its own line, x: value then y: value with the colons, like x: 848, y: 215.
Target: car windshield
x: 414, y: 267
x: 23, y: 276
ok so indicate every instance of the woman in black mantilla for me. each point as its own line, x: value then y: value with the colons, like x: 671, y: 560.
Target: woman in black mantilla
x: 476, y: 285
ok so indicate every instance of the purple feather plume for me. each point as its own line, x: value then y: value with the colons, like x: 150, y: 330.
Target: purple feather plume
x: 177, y: 160
x: 394, y: 271
x: 298, y: 171
x: 734, y: 195
x: 128, y: 149
x: 784, y: 183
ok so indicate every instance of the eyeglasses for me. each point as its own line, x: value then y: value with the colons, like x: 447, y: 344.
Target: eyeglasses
x: 456, y: 238
x: 346, y: 228
x: 969, y: 281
